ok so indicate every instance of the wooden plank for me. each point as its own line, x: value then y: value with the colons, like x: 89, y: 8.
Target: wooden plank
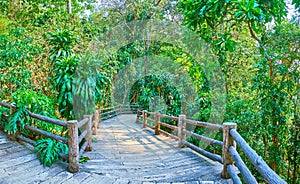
x: 205, y: 125
x: 247, y: 175
x: 144, y: 118
x: 46, y: 134
x: 235, y: 178
x: 261, y: 166
x: 212, y: 156
x: 203, y: 138
x: 107, y: 108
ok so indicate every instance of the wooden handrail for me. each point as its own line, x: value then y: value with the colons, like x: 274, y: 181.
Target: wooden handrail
x: 205, y: 125
x: 229, y: 152
x: 46, y: 134
x: 203, y: 138
x: 83, y: 122
x: 168, y: 126
x: 247, y: 175
x: 73, y: 139
x: 262, y: 167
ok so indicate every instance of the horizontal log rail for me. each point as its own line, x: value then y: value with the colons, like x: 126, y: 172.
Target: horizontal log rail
x: 83, y: 122
x: 169, y: 117
x: 150, y: 119
x: 261, y: 166
x: 168, y: 134
x: 207, y: 154
x: 203, y: 138
x: 72, y: 140
x: 46, y: 134
x: 205, y: 125
x: 230, y: 158
x: 168, y: 126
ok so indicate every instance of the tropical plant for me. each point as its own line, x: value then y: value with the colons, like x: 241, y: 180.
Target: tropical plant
x: 62, y: 42
x: 18, y: 119
x: 64, y: 70
x: 48, y: 150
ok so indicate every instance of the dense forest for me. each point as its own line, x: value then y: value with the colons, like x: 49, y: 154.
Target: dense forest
x: 256, y: 43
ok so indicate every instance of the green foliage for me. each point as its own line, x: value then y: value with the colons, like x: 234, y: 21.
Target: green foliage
x: 143, y: 92
x: 35, y: 102
x: 18, y: 119
x: 3, y: 24
x: 28, y: 100
x: 62, y: 42
x: 15, y: 60
x: 83, y: 159
x: 48, y: 150
x: 259, y: 100
x: 261, y: 70
x: 64, y: 74
x: 87, y: 85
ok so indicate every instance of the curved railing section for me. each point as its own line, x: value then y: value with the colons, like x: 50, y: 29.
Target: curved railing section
x: 230, y: 157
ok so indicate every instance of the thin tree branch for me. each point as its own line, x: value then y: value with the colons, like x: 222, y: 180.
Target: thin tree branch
x: 270, y: 60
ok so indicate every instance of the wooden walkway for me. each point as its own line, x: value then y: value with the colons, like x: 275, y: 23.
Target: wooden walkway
x: 123, y: 153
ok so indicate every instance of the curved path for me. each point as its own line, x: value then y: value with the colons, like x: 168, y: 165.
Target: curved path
x: 123, y: 153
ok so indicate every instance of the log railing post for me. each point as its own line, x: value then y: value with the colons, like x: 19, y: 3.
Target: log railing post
x: 144, y: 118
x: 88, y: 136
x: 137, y: 116
x: 73, y: 146
x: 227, y: 142
x: 96, y: 121
x: 100, y: 113
x: 157, y: 124
x: 120, y: 110
x: 181, y: 130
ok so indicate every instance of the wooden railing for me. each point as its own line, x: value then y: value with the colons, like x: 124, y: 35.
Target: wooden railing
x: 73, y: 139
x: 230, y: 157
x: 89, y: 123
x: 109, y: 112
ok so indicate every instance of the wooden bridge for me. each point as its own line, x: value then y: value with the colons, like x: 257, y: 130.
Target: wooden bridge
x: 125, y: 150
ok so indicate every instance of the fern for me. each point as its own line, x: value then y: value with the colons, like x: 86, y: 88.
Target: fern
x: 48, y: 150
